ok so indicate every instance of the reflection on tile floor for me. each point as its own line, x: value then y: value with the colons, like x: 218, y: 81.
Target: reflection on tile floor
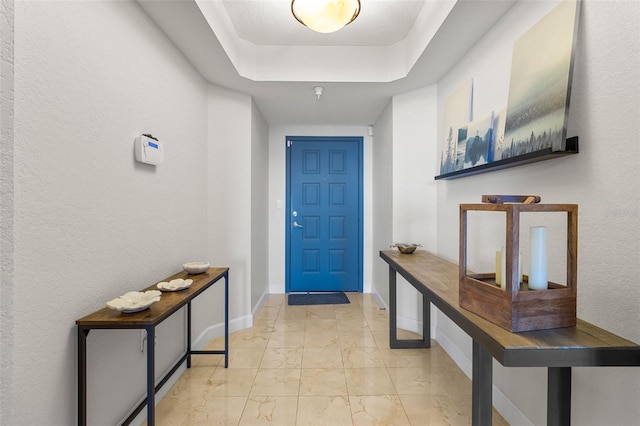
x: 323, y: 365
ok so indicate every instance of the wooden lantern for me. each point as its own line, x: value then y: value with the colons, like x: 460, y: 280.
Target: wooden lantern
x: 516, y: 308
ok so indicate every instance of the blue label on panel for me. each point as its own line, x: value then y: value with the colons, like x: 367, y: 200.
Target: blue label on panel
x: 153, y: 145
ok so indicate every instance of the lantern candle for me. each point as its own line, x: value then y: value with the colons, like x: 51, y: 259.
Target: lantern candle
x: 499, y: 264
x: 538, y: 263
x: 503, y: 269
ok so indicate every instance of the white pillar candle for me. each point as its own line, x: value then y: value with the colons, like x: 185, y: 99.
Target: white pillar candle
x: 538, y: 263
x: 499, y: 267
x: 519, y: 269
x: 503, y: 269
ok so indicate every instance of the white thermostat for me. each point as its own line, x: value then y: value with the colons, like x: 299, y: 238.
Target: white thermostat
x: 148, y: 150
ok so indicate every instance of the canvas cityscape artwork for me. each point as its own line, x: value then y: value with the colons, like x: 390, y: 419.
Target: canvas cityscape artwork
x: 540, y: 84
x: 457, y: 112
x: 535, y: 118
x: 475, y: 143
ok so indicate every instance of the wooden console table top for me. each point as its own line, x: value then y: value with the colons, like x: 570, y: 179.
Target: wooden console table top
x: 582, y: 345
x: 169, y: 303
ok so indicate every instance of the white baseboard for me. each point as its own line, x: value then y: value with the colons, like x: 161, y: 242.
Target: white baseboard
x: 217, y: 330
x: 210, y: 333
x: 380, y: 301
x: 404, y: 323
x: 461, y: 360
x: 256, y: 309
x: 501, y: 402
x: 142, y: 415
x: 509, y: 410
x: 237, y: 324
x: 412, y: 325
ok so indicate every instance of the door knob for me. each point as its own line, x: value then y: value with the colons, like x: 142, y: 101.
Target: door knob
x: 296, y: 224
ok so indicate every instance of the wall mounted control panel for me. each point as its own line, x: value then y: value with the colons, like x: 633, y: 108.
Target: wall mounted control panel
x: 148, y: 150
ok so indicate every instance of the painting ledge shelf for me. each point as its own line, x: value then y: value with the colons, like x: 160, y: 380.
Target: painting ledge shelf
x: 571, y: 147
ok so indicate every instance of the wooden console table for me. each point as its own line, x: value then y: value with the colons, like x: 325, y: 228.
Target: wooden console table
x: 148, y: 320
x: 560, y: 349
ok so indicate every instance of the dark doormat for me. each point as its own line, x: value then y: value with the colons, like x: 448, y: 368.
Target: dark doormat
x: 298, y: 299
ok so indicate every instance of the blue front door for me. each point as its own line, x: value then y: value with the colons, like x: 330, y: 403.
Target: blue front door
x: 324, y: 214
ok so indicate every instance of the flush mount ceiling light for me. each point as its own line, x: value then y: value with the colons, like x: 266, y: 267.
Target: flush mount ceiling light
x: 325, y: 16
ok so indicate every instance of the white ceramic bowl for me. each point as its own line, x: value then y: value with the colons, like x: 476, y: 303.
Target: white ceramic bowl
x: 174, y: 285
x: 195, y: 267
x: 134, y: 301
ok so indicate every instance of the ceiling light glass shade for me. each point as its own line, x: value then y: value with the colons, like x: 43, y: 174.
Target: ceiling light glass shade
x: 325, y: 16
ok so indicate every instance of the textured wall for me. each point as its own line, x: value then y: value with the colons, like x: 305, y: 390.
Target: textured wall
x: 90, y: 222
x: 6, y: 208
x: 382, y: 163
x: 229, y: 204
x: 602, y: 180
x: 414, y: 190
x: 259, y: 206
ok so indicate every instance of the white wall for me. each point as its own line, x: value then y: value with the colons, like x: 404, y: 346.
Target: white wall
x: 602, y: 180
x: 92, y: 76
x: 404, y: 146
x: 259, y: 206
x: 229, y: 197
x: 6, y: 204
x: 414, y: 190
x: 277, y: 192
x: 236, y: 209
x: 90, y: 222
x: 382, y: 163
x: 414, y: 147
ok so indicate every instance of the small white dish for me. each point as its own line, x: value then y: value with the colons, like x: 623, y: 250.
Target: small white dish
x: 174, y: 285
x: 134, y: 301
x: 195, y: 267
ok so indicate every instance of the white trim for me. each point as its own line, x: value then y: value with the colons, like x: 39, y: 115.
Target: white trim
x: 508, y: 409
x: 501, y: 402
x: 454, y: 352
x: 142, y: 415
x: 409, y: 324
x: 256, y: 309
x: 210, y: 333
x: 405, y: 323
x: 217, y: 330
x: 379, y: 300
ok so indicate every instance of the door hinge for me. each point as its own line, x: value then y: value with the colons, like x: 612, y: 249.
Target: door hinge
x: 289, y: 143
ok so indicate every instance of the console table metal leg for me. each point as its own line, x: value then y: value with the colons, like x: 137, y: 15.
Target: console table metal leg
x: 82, y: 375
x: 151, y: 337
x: 394, y: 342
x: 393, y: 327
x: 189, y: 335
x: 559, y: 396
x: 426, y: 322
x: 482, y: 386
x: 226, y: 319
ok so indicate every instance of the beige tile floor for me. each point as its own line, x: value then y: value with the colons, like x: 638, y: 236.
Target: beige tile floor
x: 320, y: 365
